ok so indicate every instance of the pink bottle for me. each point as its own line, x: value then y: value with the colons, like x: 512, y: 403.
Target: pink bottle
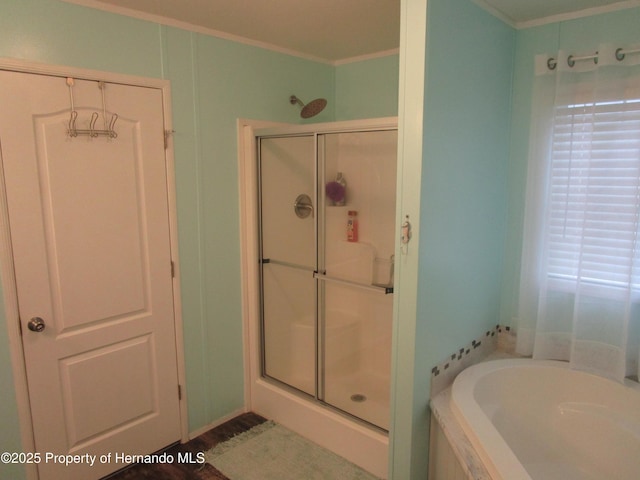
x: 352, y: 226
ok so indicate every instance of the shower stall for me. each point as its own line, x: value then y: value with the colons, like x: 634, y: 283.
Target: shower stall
x: 325, y: 243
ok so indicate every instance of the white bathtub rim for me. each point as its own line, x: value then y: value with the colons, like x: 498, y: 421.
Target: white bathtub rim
x: 493, y: 445
x: 485, y: 438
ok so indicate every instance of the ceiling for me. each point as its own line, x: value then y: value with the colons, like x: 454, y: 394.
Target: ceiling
x: 333, y: 31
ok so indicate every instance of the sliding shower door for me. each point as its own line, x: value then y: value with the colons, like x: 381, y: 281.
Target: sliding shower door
x: 327, y: 203
x: 357, y: 266
x: 288, y: 256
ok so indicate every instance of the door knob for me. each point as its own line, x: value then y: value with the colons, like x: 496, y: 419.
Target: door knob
x: 36, y: 324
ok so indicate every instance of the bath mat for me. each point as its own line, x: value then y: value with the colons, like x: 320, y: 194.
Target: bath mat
x: 271, y: 452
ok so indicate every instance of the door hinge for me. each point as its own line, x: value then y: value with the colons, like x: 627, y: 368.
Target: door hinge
x: 179, y: 392
x: 173, y: 269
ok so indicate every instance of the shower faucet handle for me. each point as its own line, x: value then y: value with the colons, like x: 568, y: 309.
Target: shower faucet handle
x: 303, y: 206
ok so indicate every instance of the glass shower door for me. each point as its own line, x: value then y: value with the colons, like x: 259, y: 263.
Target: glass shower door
x: 356, y: 271
x: 288, y: 257
x: 327, y: 223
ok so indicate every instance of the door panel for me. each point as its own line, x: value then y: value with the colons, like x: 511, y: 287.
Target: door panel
x: 90, y: 237
x: 84, y: 393
x: 289, y: 326
x: 79, y: 218
x: 287, y: 169
x: 357, y: 351
x: 356, y: 319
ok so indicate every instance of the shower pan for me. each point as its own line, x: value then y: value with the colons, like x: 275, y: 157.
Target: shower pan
x: 327, y: 292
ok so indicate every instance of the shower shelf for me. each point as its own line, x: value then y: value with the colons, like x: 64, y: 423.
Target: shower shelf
x: 379, y: 288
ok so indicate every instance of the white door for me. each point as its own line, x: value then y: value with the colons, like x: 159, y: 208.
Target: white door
x: 90, y: 235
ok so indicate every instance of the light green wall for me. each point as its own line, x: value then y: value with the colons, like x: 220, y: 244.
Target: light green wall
x: 213, y: 82
x: 469, y: 63
x: 464, y: 182
x: 367, y: 89
x: 10, y: 440
x: 580, y: 36
x: 219, y: 81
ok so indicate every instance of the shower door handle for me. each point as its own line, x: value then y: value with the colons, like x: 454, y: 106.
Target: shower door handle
x: 374, y: 288
x: 287, y: 264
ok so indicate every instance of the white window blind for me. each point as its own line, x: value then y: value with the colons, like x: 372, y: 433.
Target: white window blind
x: 594, y: 195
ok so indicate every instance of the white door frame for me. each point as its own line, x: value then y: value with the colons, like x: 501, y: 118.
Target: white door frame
x: 7, y: 273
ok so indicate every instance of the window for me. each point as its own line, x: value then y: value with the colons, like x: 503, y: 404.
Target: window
x: 594, y: 195
x: 580, y: 273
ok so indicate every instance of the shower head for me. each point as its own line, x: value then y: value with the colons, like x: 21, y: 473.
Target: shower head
x: 311, y: 109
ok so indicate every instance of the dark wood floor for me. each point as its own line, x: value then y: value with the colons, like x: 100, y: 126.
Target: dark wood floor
x: 192, y: 471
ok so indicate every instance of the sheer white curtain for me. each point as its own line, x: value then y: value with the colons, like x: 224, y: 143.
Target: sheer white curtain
x: 580, y: 280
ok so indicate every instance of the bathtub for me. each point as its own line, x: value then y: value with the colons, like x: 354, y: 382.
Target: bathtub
x: 531, y: 419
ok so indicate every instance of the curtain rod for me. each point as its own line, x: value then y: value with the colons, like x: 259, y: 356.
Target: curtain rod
x: 552, y: 63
